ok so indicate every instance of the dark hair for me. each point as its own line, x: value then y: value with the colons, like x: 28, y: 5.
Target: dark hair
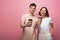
x: 47, y: 14
x: 32, y: 4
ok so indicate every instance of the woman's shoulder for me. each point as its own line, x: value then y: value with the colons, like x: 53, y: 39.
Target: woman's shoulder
x: 50, y: 18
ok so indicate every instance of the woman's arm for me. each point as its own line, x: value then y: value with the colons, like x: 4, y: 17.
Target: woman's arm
x: 52, y: 29
x: 37, y: 28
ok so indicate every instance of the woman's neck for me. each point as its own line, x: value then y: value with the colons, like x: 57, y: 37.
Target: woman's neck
x: 43, y: 17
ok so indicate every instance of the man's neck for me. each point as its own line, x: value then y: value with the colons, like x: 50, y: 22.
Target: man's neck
x: 31, y: 14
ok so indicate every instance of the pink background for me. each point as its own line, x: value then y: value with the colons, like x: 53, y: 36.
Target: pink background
x: 12, y: 10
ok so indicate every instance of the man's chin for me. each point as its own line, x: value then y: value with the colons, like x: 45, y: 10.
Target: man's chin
x: 32, y: 13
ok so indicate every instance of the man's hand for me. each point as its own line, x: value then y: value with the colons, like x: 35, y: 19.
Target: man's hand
x: 29, y: 24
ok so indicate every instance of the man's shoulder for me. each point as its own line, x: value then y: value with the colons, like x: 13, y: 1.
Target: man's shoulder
x: 24, y: 15
x: 35, y: 17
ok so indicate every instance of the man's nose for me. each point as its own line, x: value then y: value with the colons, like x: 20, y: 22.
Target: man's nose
x: 32, y: 9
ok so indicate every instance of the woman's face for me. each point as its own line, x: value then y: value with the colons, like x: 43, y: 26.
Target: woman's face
x: 43, y: 12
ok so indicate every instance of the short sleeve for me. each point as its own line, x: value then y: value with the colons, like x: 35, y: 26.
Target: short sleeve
x: 23, y: 18
x: 36, y: 19
x: 51, y: 20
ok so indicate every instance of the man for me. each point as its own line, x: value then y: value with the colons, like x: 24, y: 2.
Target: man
x: 28, y: 22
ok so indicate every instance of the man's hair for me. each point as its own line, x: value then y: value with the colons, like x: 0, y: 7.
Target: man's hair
x: 32, y: 4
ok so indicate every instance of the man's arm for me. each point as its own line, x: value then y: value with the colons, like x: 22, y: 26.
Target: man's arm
x: 23, y: 21
x: 23, y: 24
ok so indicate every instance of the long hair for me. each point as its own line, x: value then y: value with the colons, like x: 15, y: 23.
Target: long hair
x: 47, y: 14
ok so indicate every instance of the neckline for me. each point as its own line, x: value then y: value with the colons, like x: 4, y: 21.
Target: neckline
x: 44, y: 18
x: 30, y: 14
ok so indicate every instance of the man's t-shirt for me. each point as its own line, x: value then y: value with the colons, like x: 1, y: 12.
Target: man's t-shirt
x: 28, y: 31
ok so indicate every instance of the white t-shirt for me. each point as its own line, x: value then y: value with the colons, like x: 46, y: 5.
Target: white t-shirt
x: 45, y: 24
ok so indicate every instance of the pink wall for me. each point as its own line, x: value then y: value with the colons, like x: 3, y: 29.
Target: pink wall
x: 11, y: 11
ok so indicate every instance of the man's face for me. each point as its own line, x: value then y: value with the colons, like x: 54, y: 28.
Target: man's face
x: 32, y: 9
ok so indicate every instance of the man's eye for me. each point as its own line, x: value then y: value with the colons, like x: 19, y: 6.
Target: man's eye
x: 34, y: 8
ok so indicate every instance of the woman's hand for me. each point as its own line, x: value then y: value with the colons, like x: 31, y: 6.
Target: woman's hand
x: 52, y: 36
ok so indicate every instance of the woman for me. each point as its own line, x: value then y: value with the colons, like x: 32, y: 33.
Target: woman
x: 46, y: 26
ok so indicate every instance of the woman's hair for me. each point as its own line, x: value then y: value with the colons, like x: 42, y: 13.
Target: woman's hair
x: 47, y: 14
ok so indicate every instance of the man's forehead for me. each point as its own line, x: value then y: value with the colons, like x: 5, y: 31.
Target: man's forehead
x: 32, y: 6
